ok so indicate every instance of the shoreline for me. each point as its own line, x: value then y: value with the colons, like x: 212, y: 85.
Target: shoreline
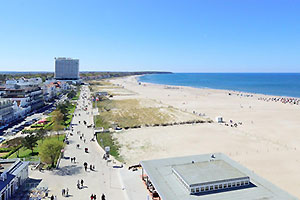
x: 236, y: 91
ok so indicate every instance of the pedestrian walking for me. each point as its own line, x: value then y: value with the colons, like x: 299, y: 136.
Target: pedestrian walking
x: 103, y: 197
x: 81, y: 183
x: 71, y: 159
x: 55, y: 197
x: 67, y: 192
x: 63, y: 192
x: 84, y: 140
x: 92, y: 197
x: 52, y: 197
x: 93, y: 167
x: 85, y: 165
x: 95, y: 197
x: 74, y: 159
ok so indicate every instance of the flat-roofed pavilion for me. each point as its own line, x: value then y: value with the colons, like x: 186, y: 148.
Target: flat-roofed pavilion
x: 209, y: 177
x: 201, y: 176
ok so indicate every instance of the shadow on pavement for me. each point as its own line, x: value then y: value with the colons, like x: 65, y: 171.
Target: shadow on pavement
x: 23, y: 192
x: 68, y: 170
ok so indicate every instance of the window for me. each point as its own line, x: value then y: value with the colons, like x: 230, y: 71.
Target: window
x: 197, y: 190
x: 225, y: 185
x: 216, y: 187
x: 202, y: 189
x: 206, y: 188
x: 242, y: 183
x: 193, y: 190
x: 211, y: 187
x: 233, y: 184
x: 229, y: 185
x: 246, y: 182
x: 238, y: 184
x: 220, y: 186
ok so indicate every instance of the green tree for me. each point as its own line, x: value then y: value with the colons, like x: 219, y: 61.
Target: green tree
x: 71, y: 94
x: 41, y: 134
x: 50, y: 150
x: 63, y: 108
x: 58, y: 119
x: 29, y: 142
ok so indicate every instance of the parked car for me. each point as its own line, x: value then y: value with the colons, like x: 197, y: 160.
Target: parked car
x: 27, y: 123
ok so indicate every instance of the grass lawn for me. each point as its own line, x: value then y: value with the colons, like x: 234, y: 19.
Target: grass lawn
x: 128, y: 113
x: 101, y: 122
x: 26, y: 153
x: 71, y: 110
x: 108, y: 140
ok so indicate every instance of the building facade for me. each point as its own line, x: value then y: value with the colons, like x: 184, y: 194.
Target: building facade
x: 6, y: 111
x: 28, y: 98
x: 13, y: 174
x: 66, y: 69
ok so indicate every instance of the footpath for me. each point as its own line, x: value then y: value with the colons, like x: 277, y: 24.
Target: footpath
x: 104, y: 179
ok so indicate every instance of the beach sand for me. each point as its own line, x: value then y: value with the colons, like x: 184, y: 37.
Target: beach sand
x: 267, y: 142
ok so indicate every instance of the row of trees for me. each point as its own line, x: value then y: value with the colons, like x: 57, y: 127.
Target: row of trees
x: 42, y: 75
x: 60, y: 115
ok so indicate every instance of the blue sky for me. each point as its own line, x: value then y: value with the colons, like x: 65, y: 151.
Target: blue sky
x: 167, y: 35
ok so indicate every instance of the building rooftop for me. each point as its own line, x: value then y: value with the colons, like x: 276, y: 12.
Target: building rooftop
x: 9, y: 168
x: 170, y: 188
x: 64, y: 58
x: 5, y: 166
x: 207, y: 171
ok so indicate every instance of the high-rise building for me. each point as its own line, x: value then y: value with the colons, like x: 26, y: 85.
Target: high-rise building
x: 66, y: 69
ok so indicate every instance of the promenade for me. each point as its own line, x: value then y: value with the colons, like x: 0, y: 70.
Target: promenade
x: 105, y: 179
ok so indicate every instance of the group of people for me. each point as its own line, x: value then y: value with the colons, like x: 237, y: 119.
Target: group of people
x: 65, y: 192
x: 85, y: 165
x: 233, y: 124
x: 285, y: 100
x: 73, y: 159
x: 80, y: 184
x: 94, y: 197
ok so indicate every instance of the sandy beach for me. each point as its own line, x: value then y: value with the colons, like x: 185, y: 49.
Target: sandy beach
x: 266, y: 140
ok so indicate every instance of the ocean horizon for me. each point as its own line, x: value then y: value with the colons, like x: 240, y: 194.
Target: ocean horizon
x: 275, y: 84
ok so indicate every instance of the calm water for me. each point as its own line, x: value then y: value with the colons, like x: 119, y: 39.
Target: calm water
x: 279, y: 84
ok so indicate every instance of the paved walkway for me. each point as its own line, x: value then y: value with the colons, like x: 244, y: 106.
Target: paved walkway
x: 104, y: 179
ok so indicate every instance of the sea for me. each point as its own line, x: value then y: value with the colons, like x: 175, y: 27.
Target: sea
x: 277, y: 84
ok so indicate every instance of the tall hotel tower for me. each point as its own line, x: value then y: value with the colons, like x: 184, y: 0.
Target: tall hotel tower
x: 66, y: 69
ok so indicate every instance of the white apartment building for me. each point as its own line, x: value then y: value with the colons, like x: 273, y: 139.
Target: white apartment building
x: 66, y: 69
x: 22, y: 83
x: 6, y: 111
